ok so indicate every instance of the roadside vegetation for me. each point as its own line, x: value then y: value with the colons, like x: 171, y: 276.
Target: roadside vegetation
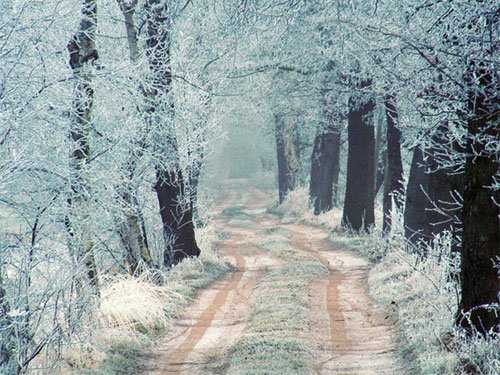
x: 134, y: 312
x: 120, y: 121
x: 420, y: 296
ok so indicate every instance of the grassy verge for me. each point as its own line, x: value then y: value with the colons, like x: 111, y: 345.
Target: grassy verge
x: 124, y: 357
x: 236, y: 216
x: 275, y: 340
x: 423, y: 297
x: 426, y: 298
x: 134, y: 314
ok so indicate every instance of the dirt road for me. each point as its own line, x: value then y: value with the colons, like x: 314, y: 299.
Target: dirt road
x: 348, y: 332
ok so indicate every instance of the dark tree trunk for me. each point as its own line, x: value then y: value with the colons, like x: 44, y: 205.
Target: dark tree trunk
x: 175, y: 209
x: 481, y: 223
x: 283, y: 186
x: 480, y: 245
x: 325, y: 158
x: 325, y: 166
x: 416, y: 201
x: 444, y: 187
x: 287, y: 156
x: 360, y: 186
x: 393, y: 182
x: 431, y: 195
x: 177, y: 218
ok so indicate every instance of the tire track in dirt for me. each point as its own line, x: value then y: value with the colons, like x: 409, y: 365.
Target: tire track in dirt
x: 348, y: 334
x: 201, y: 336
x: 359, y: 340
x: 338, y: 331
x: 205, y: 321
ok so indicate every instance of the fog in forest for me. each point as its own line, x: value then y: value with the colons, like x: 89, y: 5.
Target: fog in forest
x: 249, y: 187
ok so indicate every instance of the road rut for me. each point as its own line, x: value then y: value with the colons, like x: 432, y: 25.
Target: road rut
x: 348, y: 333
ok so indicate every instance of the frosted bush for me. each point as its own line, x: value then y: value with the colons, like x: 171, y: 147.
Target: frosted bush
x: 296, y: 204
x: 426, y: 295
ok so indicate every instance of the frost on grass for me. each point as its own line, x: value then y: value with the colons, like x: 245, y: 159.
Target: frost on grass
x: 423, y: 296
x: 276, y: 337
x: 128, y: 301
x: 297, y: 206
x: 134, y: 312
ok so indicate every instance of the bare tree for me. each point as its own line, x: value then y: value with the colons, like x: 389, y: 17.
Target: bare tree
x: 131, y: 226
x: 287, y: 156
x: 325, y: 159
x: 82, y: 58
x: 175, y: 211
x: 480, y: 251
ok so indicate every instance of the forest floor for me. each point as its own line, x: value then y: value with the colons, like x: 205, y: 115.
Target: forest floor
x: 294, y: 304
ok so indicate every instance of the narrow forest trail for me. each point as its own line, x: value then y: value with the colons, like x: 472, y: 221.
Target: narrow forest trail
x: 347, y: 332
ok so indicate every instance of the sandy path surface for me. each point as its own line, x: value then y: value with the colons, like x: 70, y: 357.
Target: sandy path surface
x: 216, y: 319
x: 349, y: 334
x: 359, y: 338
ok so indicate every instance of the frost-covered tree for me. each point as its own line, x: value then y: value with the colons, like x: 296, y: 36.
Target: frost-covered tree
x: 82, y: 58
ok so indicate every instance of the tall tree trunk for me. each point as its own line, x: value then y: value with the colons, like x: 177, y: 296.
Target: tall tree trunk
x: 325, y: 158
x: 443, y: 187
x: 430, y: 208
x: 283, y: 186
x: 176, y: 215
x: 481, y: 211
x: 416, y: 201
x: 131, y: 227
x: 380, y: 154
x: 393, y: 181
x: 325, y: 167
x: 131, y: 230
x: 292, y: 154
x: 359, y: 211
x: 287, y: 155
x: 83, y: 54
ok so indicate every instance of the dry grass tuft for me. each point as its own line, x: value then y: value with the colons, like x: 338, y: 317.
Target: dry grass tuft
x: 133, y: 312
x: 128, y: 301
x: 297, y: 206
